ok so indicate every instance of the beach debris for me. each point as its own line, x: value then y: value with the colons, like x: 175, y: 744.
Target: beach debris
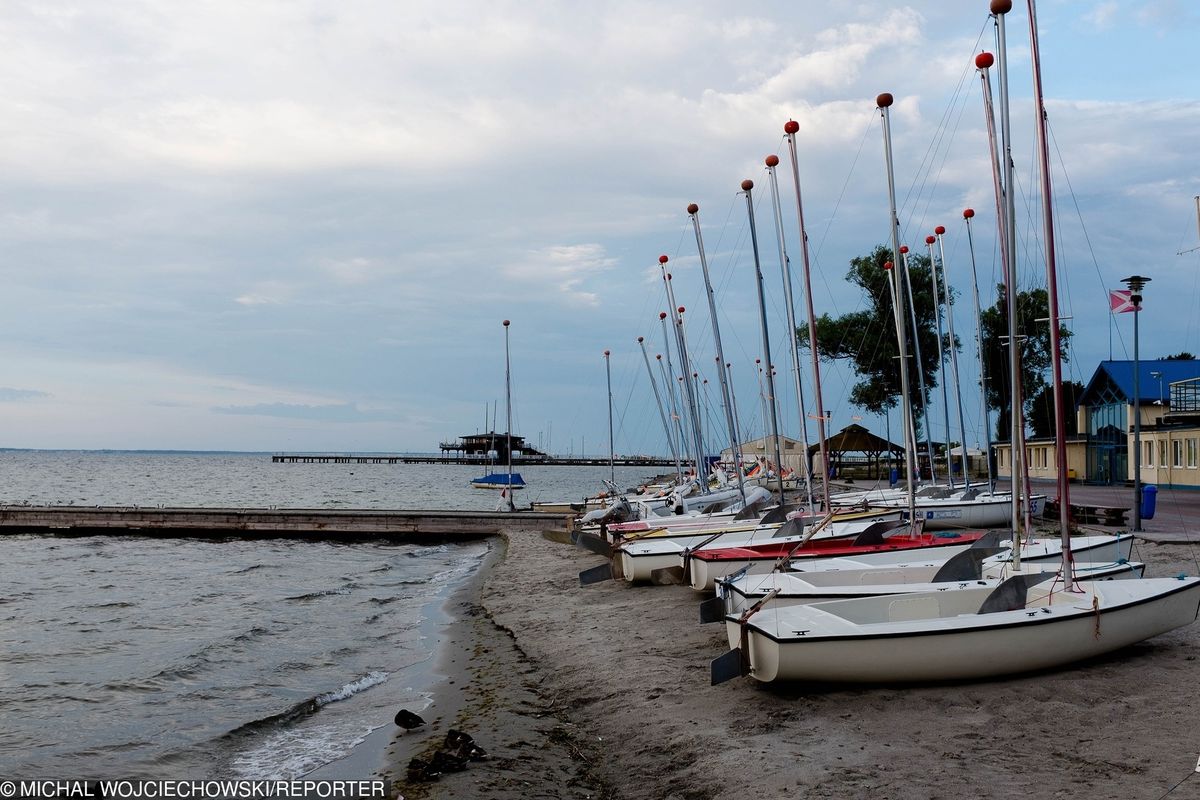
x: 462, y: 744
x: 448, y: 761
x: 422, y: 771
x: 408, y: 720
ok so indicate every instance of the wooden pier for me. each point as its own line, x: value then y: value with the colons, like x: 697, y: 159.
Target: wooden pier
x: 398, y: 458
x: 270, y: 523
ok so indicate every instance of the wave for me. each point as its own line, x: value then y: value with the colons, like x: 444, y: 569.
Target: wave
x: 373, y: 678
x: 318, y: 594
x: 250, y: 568
x: 310, y: 706
x: 207, y: 655
x: 253, y: 633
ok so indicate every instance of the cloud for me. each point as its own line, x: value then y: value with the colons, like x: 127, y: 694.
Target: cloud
x: 565, y: 267
x: 9, y: 395
x: 262, y: 210
x: 336, y: 412
x: 1101, y: 16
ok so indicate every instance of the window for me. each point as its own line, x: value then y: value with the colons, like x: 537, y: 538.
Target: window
x: 1149, y: 448
x: 1191, y: 453
x: 1177, y: 452
x: 1162, y: 452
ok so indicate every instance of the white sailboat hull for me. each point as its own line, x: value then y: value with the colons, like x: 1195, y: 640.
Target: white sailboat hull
x: 638, y: 559
x: 941, y: 636
x: 907, y: 567
x: 988, y: 510
x: 703, y: 575
x: 795, y: 591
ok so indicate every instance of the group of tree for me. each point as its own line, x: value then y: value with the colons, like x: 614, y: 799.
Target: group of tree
x: 867, y: 339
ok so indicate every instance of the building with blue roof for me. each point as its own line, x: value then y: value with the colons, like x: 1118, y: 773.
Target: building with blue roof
x: 1169, y: 407
x: 1162, y: 389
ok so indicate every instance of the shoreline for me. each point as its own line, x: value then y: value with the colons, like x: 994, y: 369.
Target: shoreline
x: 603, y: 692
x: 493, y: 691
x: 388, y: 745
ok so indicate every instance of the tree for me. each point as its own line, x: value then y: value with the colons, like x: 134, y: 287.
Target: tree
x: 1034, y: 336
x: 1041, y: 409
x: 868, y: 337
x: 1184, y: 356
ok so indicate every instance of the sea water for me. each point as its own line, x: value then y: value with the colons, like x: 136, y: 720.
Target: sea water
x: 135, y: 656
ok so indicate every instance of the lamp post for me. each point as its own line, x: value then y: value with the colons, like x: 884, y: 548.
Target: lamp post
x: 1136, y: 283
x: 1158, y: 377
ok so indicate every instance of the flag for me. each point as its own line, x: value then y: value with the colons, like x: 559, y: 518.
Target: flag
x: 1121, y: 300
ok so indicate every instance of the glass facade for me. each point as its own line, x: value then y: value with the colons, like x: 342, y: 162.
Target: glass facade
x: 1108, y: 436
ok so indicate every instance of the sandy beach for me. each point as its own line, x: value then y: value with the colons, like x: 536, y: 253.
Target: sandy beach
x: 603, y: 692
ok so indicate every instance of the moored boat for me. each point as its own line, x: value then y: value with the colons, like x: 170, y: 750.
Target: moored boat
x: 963, y: 634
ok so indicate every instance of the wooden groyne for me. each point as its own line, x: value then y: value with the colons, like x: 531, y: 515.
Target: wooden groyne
x: 326, y: 524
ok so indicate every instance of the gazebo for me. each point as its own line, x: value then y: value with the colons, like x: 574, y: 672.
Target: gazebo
x: 857, y: 439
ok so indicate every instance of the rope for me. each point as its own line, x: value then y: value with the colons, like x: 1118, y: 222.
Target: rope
x: 1086, y: 237
x: 1176, y: 786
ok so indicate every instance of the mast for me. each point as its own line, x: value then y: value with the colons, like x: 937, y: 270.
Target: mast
x: 612, y: 474
x: 1017, y: 431
x: 939, y: 231
x: 1060, y: 429
x: 508, y: 416
x: 784, y: 267
x: 790, y: 128
x: 937, y: 316
x: 883, y: 102
x: 669, y: 387
x: 912, y: 310
x: 747, y: 187
x: 685, y: 368
x: 662, y: 414
x: 735, y: 447
x: 968, y: 213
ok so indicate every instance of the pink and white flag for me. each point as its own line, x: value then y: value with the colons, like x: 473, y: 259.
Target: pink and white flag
x: 1121, y: 301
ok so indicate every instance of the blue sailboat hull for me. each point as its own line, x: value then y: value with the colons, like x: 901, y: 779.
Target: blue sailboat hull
x: 499, y: 480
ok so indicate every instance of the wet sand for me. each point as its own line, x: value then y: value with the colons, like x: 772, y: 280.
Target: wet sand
x: 603, y: 692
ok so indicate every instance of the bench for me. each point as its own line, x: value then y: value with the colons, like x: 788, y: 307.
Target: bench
x: 1112, y: 516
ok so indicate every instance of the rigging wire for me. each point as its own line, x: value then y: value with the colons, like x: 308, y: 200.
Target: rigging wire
x: 1088, y: 239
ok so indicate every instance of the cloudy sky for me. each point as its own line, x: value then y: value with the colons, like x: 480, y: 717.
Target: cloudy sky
x: 299, y: 225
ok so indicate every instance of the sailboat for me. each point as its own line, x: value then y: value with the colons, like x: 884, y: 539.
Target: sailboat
x: 507, y: 481
x: 1028, y: 622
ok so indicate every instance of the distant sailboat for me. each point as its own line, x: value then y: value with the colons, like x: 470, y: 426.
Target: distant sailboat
x: 507, y: 481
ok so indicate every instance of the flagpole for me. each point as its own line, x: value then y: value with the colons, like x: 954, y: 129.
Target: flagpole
x: 1136, y: 283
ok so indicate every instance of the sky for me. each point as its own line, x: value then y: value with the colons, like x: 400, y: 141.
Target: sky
x: 298, y: 226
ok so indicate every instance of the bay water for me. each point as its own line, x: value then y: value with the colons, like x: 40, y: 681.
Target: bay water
x: 131, y: 656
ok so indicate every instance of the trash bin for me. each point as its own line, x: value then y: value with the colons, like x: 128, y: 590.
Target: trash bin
x: 893, y: 477
x: 1149, y: 499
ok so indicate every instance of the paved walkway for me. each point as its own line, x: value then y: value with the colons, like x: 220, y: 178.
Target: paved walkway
x: 1176, y: 515
x: 1176, y: 518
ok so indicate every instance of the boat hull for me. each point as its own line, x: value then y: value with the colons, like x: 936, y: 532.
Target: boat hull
x: 638, y: 559
x: 499, y: 480
x: 886, y: 567
x: 888, y: 582
x: 704, y: 569
x: 941, y: 637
